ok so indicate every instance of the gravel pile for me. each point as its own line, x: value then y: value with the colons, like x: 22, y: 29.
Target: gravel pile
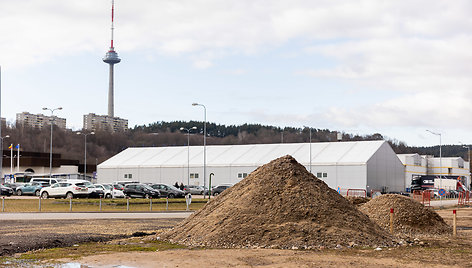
x: 357, y: 201
x: 279, y: 205
x: 410, y: 217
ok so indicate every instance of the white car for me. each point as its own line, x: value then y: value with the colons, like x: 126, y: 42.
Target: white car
x: 66, y: 189
x: 115, y: 193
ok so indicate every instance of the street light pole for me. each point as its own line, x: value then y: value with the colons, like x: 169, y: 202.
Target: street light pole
x: 1, y: 158
x: 440, y: 156
x: 188, y: 151
x: 50, y: 148
x: 204, y: 143
x: 310, y: 148
x: 85, y: 151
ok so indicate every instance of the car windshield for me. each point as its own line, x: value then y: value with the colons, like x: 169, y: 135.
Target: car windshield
x: 108, y: 187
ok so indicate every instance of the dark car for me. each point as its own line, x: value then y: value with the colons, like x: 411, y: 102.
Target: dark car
x: 141, y: 191
x: 14, y: 186
x: 168, y: 190
x: 95, y: 191
x: 32, y: 188
x: 6, y: 190
x: 219, y: 189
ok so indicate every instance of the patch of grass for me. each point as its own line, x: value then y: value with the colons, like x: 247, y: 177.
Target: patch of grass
x: 87, y: 249
x: 93, y: 205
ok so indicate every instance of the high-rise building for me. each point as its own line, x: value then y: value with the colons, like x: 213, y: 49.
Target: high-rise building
x: 93, y: 122
x: 39, y: 120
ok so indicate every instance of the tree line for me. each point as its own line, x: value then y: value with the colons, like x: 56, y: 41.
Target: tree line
x: 103, y: 145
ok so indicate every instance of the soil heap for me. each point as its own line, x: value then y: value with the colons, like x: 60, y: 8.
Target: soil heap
x: 357, y: 201
x: 411, y: 218
x: 279, y: 205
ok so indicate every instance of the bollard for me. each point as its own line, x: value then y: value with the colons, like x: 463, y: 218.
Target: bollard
x: 150, y: 203
x: 167, y: 203
x: 100, y: 203
x: 391, y: 221
x: 39, y: 203
x: 127, y: 204
x: 454, y: 223
x: 70, y: 204
x: 3, y: 204
x: 186, y: 201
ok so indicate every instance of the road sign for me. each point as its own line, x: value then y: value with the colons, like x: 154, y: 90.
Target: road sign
x: 442, y: 192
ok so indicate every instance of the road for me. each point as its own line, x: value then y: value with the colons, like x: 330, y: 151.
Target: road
x: 92, y: 215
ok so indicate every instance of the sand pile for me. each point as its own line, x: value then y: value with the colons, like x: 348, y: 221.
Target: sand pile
x: 279, y: 205
x: 357, y: 201
x: 410, y: 217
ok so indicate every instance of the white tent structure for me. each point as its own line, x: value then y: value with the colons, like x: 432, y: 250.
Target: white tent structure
x: 370, y: 165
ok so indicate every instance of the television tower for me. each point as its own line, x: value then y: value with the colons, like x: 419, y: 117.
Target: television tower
x: 111, y: 58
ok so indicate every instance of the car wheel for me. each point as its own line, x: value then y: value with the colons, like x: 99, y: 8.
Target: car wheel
x: 108, y: 196
x: 36, y: 193
x: 44, y: 195
x: 146, y: 196
x: 215, y: 194
x: 18, y: 192
x: 69, y: 195
x: 171, y: 195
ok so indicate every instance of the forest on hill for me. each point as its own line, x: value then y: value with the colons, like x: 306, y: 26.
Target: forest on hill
x: 103, y: 145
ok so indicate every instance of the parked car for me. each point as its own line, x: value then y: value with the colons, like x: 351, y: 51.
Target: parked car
x: 118, y: 187
x: 219, y: 189
x: 141, y: 190
x: 67, y: 189
x: 49, y: 181
x: 6, y: 190
x: 115, y: 193
x: 31, y: 188
x: 14, y: 186
x: 168, y: 190
x: 193, y: 189
x: 96, y: 191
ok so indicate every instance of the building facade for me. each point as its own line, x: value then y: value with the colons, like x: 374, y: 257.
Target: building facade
x: 39, y: 120
x: 369, y: 165
x: 94, y: 122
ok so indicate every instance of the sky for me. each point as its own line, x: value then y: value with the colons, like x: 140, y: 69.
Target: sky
x: 370, y: 66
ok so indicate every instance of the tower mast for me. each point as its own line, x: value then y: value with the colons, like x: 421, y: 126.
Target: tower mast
x: 111, y: 57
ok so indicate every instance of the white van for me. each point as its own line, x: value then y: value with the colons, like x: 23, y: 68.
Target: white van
x: 49, y: 181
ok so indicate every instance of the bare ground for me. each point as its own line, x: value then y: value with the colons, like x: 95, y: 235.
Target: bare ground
x: 443, y: 251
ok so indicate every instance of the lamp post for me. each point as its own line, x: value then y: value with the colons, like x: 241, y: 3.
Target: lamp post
x: 440, y: 156
x: 1, y: 158
x: 188, y: 151
x: 204, y: 143
x: 468, y: 156
x: 50, y: 148
x: 309, y: 128
x: 85, y: 151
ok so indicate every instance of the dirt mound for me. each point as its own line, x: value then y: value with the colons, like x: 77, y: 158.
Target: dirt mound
x: 357, y: 201
x: 279, y: 205
x: 410, y: 217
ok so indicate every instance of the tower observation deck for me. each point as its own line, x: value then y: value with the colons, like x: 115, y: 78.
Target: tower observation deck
x: 111, y: 58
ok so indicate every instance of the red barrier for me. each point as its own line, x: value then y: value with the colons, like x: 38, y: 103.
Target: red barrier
x: 424, y: 197
x: 464, y: 198
x: 357, y: 192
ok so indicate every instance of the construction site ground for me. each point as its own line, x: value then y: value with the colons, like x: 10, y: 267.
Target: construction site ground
x: 107, y: 243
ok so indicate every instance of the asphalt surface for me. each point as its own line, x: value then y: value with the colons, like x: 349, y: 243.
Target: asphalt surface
x: 92, y: 215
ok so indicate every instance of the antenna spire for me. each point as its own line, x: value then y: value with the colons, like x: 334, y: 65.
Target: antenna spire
x: 112, y: 18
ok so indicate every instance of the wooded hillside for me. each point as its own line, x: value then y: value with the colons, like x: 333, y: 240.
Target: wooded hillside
x: 103, y: 145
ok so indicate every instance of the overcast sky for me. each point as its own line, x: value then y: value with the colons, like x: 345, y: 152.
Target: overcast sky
x: 392, y: 67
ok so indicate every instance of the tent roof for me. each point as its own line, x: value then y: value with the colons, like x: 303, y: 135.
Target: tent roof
x: 323, y: 153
